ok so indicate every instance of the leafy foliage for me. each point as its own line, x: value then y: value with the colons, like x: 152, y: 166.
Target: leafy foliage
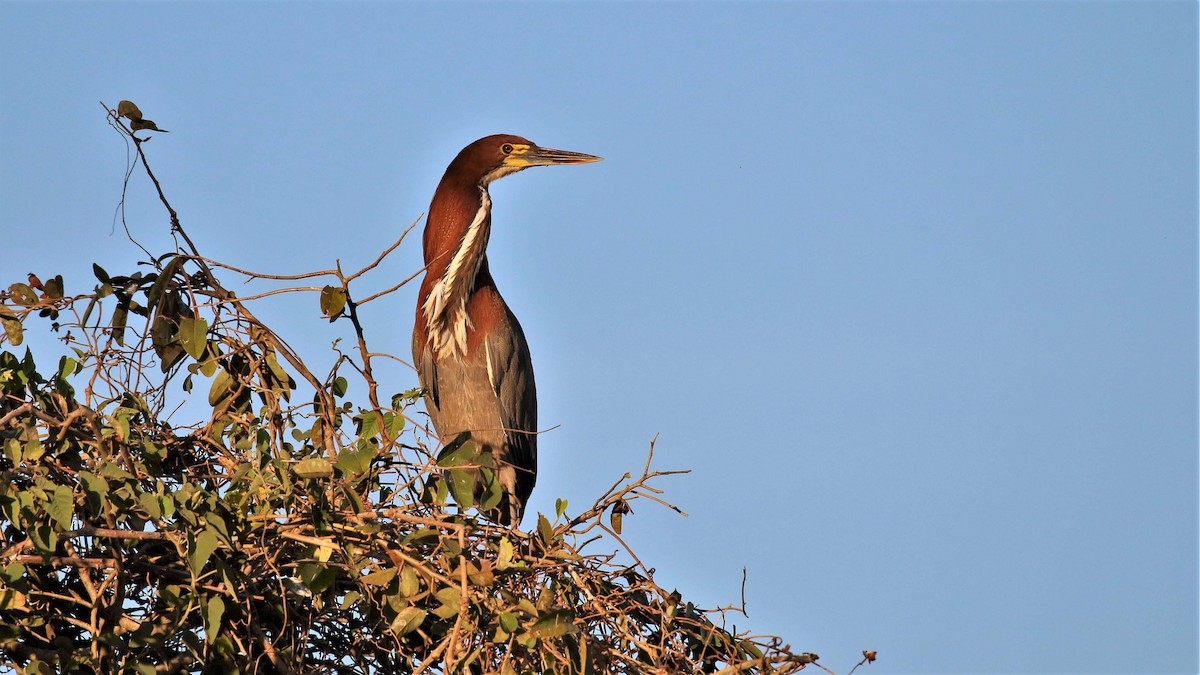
x: 289, y: 529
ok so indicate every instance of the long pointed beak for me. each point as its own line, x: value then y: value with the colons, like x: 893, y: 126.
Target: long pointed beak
x: 538, y: 156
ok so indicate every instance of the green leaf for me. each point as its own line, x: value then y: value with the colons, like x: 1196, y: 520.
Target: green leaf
x: 202, y: 549
x: 66, y: 367
x: 407, y: 620
x: 349, y: 600
x: 33, y: 450
x: 60, y: 505
x: 751, y: 649
x: 435, y: 490
x: 504, y: 557
x: 101, y: 275
x: 492, y: 492
x: 462, y: 486
x: 13, y: 572
x: 368, y: 424
x: 461, y: 452
x: 12, y: 599
x: 340, y: 386
x: 96, y: 488
x: 167, y: 505
x: 164, y: 277
x: 393, y: 423
x: 356, y: 461
x: 222, y: 387
x: 618, y: 511
x: 13, y: 330
x: 277, y: 370
x: 379, y: 577
x: 322, y: 579
x: 208, y: 366
x: 23, y: 294
x: 545, y: 531
x: 560, y: 507
x: 333, y: 302
x: 316, y: 467
x: 508, y: 621
x: 151, y: 504
x: 410, y: 585
x: 43, y: 538
x: 212, y: 616
x: 120, y: 317
x: 449, y: 597
x: 556, y: 623
x: 193, y: 334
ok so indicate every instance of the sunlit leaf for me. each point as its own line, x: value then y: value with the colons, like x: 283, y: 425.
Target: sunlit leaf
x: 381, y: 577
x: 554, y: 624
x: 508, y: 621
x: 449, y: 597
x: 354, y: 461
x: 315, y: 467
x: 407, y: 620
x: 13, y: 330
x: 193, y: 335
x: 333, y: 302
x: 410, y: 585
x: 202, y: 549
x: 545, y: 531
x: 61, y: 506
x: 221, y: 388
x: 12, y: 600
x: 504, y: 557
x: 393, y: 423
x: 368, y: 424
x: 23, y: 294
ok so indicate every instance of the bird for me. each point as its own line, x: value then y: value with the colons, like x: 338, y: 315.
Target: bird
x: 469, y: 350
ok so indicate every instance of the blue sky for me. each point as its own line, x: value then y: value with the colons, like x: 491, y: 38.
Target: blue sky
x: 910, y: 287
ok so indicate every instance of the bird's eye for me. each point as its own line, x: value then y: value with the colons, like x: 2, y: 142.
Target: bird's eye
x: 506, y: 148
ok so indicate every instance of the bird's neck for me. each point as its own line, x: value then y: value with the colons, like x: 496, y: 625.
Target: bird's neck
x: 455, y: 246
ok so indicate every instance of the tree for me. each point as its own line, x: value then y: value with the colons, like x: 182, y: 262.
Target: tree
x: 288, y: 529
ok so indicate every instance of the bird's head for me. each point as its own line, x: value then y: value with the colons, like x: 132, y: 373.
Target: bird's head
x: 494, y: 157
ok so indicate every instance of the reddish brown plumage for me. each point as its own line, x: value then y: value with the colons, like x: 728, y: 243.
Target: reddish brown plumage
x: 470, y: 352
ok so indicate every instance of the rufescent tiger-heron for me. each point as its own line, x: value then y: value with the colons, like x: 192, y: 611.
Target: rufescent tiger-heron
x: 469, y: 351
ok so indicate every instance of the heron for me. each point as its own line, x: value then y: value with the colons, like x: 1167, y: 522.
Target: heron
x: 470, y: 353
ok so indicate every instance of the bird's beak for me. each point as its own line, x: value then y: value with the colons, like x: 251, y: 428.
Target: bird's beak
x: 537, y: 156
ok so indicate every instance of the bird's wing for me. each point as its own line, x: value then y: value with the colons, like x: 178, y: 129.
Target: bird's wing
x: 426, y: 371
x: 510, y: 372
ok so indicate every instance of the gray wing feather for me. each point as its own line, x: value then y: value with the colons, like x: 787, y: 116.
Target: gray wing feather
x: 427, y: 376
x: 510, y: 371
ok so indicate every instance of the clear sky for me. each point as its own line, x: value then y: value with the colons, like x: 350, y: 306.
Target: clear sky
x: 910, y: 287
